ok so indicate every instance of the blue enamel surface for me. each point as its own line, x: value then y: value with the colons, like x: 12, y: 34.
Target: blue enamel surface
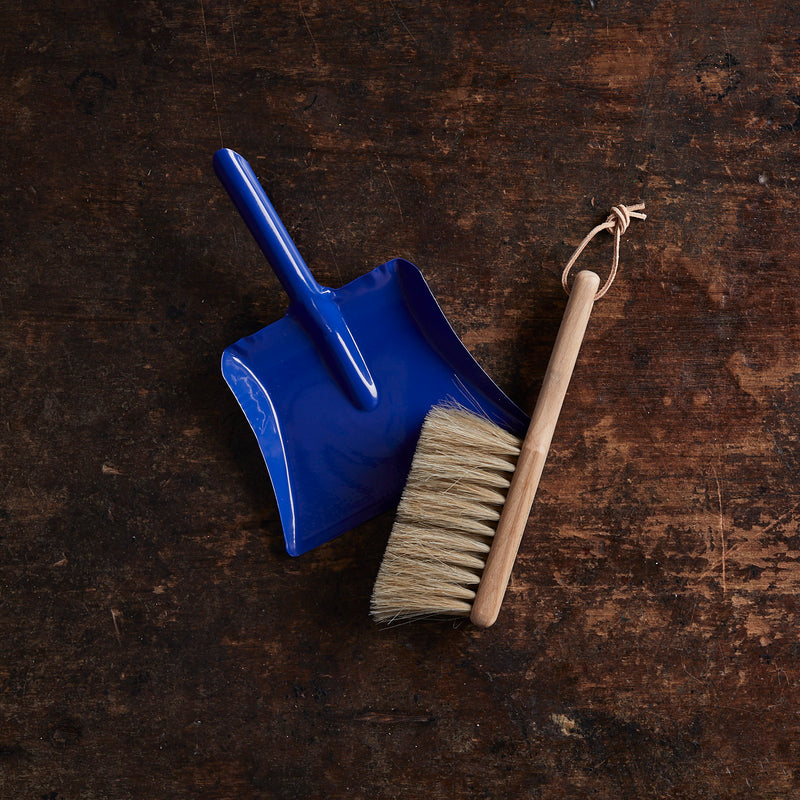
x: 334, y: 460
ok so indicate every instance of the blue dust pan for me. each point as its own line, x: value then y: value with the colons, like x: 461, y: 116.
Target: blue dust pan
x: 337, y: 390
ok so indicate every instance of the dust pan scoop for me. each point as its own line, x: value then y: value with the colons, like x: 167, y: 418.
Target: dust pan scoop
x: 336, y: 391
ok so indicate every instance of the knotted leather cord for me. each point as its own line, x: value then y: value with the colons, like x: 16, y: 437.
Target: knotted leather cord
x: 616, y: 223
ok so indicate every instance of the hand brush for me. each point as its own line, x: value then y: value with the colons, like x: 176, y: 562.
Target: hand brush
x: 472, y: 484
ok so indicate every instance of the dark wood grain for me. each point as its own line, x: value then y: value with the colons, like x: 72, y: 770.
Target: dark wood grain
x: 156, y: 639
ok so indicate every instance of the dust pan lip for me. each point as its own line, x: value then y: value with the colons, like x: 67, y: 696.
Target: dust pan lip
x: 442, y: 337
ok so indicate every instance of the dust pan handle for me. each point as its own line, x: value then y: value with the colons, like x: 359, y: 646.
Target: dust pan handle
x: 315, y: 306
x: 533, y: 454
x: 252, y: 203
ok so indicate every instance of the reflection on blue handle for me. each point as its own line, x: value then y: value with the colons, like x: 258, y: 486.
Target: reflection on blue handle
x: 315, y: 306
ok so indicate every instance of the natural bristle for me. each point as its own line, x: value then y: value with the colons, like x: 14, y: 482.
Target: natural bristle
x: 446, y: 518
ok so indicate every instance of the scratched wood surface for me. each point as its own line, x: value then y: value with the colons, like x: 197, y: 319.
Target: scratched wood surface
x: 156, y: 639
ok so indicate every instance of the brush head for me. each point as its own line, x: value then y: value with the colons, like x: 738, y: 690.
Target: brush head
x: 447, y: 517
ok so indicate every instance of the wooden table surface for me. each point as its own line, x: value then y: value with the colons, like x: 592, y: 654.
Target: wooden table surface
x: 157, y: 640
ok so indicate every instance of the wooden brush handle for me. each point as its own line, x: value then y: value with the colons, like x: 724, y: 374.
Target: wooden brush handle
x: 533, y: 454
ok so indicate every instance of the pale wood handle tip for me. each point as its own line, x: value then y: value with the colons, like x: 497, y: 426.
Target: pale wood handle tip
x: 483, y: 616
